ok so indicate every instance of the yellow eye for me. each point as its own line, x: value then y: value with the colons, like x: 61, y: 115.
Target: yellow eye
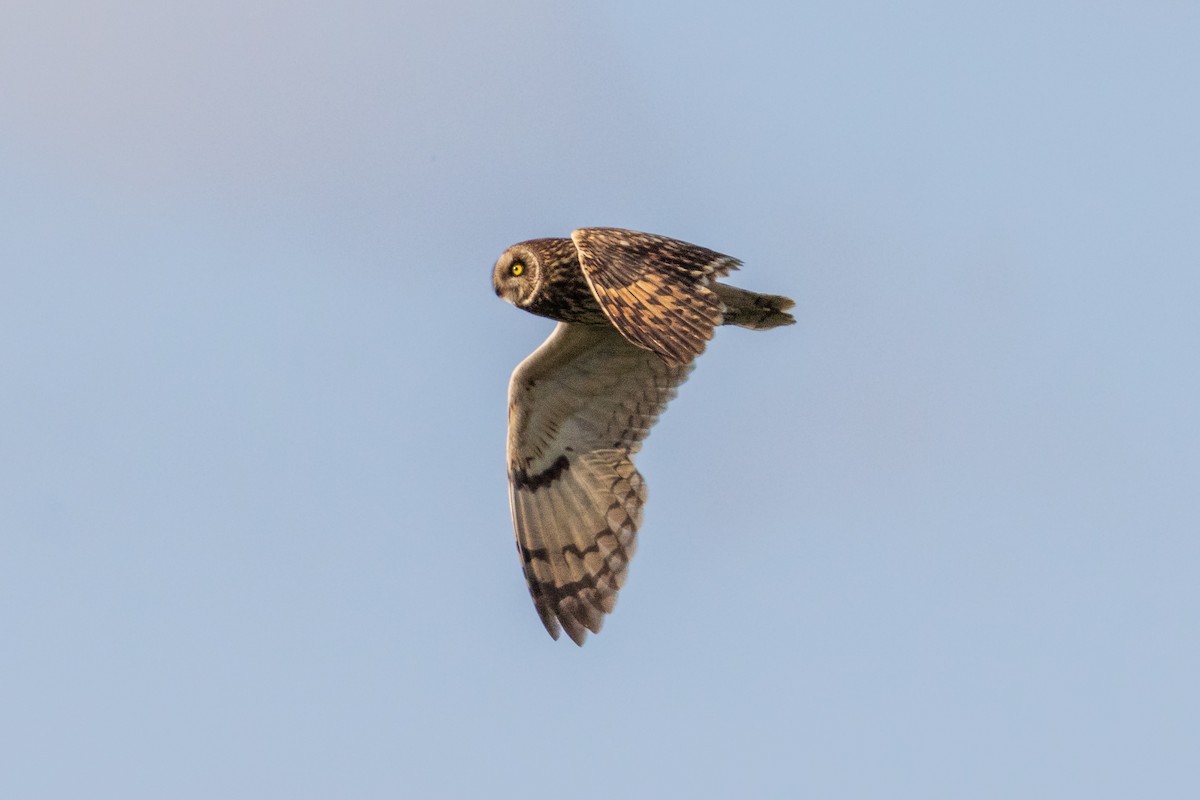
x: 516, y: 269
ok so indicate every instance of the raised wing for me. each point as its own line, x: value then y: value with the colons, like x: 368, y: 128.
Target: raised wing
x: 578, y: 409
x: 655, y: 290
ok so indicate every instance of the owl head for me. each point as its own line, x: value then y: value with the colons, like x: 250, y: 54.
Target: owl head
x: 518, y: 274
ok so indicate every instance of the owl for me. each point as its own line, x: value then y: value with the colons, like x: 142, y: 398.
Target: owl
x: 633, y: 310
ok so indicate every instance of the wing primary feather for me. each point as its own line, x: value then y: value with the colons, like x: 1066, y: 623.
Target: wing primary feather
x: 534, y: 559
x: 568, y: 575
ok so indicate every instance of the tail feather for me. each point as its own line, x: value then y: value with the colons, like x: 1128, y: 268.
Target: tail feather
x: 752, y: 310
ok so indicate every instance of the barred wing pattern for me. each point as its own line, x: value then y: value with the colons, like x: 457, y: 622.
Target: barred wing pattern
x: 654, y: 289
x: 579, y: 408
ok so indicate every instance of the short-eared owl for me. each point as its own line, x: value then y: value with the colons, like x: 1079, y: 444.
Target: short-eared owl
x: 634, y: 310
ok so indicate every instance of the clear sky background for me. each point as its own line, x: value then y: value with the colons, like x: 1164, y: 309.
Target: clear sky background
x: 937, y: 540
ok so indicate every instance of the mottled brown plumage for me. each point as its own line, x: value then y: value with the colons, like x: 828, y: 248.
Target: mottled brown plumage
x: 634, y: 311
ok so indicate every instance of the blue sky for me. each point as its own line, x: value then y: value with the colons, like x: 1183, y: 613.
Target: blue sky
x: 939, y: 539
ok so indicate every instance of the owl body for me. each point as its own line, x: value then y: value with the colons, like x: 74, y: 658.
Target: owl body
x: 634, y: 311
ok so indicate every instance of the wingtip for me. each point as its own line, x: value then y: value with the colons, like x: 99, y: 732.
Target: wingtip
x: 549, y: 621
x: 574, y: 628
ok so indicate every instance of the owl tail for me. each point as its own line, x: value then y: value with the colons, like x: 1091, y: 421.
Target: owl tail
x: 753, y: 310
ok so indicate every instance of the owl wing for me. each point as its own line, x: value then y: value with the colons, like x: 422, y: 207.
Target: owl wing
x: 654, y: 290
x: 578, y: 409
